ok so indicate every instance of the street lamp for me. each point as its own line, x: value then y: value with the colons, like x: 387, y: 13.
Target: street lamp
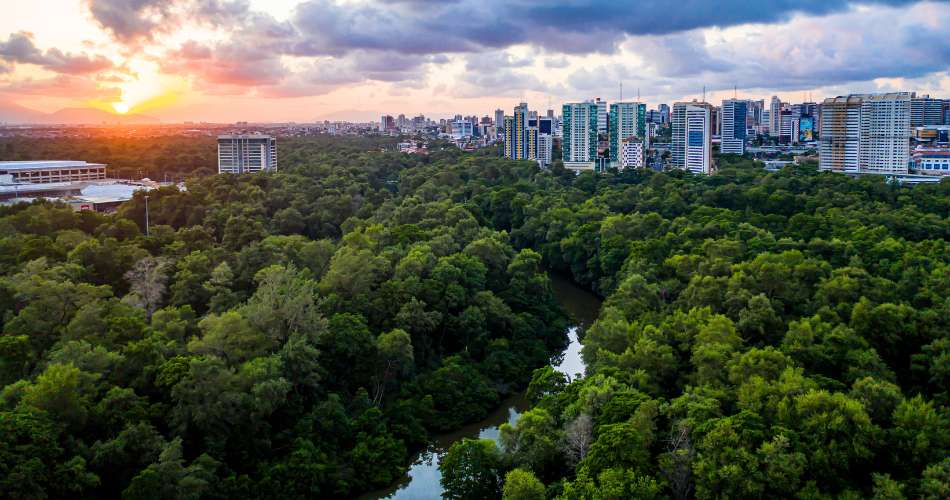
x: 146, y: 216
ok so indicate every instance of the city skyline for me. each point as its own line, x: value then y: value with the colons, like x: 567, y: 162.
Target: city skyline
x: 291, y: 60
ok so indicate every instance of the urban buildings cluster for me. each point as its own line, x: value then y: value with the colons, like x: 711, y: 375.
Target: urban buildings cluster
x: 898, y: 134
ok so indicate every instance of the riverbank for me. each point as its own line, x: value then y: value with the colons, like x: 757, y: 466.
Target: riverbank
x: 422, y: 480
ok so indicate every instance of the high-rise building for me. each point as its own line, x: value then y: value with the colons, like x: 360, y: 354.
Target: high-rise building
x: 925, y: 110
x: 754, y: 117
x: 601, y: 115
x: 626, y: 119
x: 885, y: 132
x: 692, y: 137
x: 499, y: 124
x: 545, y: 147
x: 664, y: 110
x: 508, y: 141
x: 775, y: 116
x: 531, y: 142
x: 239, y: 154
x: 387, y: 123
x: 788, y: 133
x: 515, y: 146
x: 715, y: 121
x: 734, y: 126
x: 840, y: 137
x: 579, y: 129
x: 866, y: 133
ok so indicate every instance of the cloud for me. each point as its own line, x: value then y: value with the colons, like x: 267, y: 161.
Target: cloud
x: 577, y: 26
x: 473, y: 48
x: 842, y: 52
x: 19, y: 48
x: 230, y: 63
x: 129, y: 20
x: 63, y: 85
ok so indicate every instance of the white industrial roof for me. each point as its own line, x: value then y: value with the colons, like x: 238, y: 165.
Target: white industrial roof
x: 45, y: 164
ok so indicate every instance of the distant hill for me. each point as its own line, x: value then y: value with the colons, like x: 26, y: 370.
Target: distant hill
x: 16, y: 114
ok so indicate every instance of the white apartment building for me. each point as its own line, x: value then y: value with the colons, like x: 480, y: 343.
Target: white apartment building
x: 885, y: 133
x: 631, y: 154
x: 775, y: 116
x: 239, y: 154
x: 692, y: 137
x: 545, y: 146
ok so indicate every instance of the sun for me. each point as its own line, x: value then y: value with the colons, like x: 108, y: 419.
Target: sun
x: 120, y: 107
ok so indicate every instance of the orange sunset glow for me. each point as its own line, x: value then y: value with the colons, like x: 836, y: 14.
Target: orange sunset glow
x: 305, y: 60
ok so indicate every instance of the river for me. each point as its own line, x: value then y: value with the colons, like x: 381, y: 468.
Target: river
x: 422, y: 482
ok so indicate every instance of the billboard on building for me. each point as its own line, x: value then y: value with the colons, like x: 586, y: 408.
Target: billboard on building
x: 806, y: 129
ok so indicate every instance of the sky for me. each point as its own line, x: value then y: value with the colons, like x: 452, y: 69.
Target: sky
x: 307, y: 60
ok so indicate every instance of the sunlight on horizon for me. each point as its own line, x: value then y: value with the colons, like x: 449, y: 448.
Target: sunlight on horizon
x: 120, y: 107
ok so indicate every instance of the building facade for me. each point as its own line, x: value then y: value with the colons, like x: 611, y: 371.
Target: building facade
x: 240, y: 154
x: 47, y: 172
x: 932, y: 161
x: 626, y: 120
x: 545, y: 148
x: 925, y: 111
x: 692, y: 137
x: 734, y: 126
x: 885, y: 133
x: 462, y: 129
x: 631, y: 153
x: 775, y: 116
x: 664, y: 110
x: 601, y: 115
x: 579, y: 129
x: 866, y: 133
x: 516, y: 146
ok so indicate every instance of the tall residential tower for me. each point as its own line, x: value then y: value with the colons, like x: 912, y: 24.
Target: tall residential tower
x: 627, y: 119
x: 692, y: 137
x: 866, y: 133
x: 579, y: 144
x: 239, y: 154
x: 734, y: 126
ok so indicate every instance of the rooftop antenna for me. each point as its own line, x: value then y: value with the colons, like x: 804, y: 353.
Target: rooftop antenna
x: 735, y: 92
x: 704, y: 93
x: 638, y: 95
x: 621, y: 91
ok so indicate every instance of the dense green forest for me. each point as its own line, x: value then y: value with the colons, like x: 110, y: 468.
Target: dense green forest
x: 167, y: 157
x: 289, y: 335
x: 764, y: 335
x: 299, y: 334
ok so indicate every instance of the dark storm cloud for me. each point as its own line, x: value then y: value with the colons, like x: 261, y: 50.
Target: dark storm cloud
x: 577, y: 26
